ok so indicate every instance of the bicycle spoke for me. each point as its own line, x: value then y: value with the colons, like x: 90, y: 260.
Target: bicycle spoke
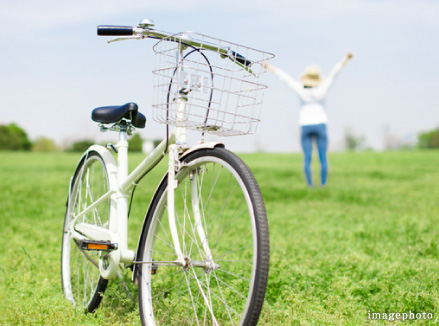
x: 230, y: 287
x: 233, y: 274
x: 223, y: 299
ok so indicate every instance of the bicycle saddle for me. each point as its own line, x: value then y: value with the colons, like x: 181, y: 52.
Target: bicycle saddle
x: 112, y: 114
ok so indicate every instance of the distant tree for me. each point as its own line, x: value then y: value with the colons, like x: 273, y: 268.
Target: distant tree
x: 12, y: 137
x: 80, y: 146
x: 135, y: 143
x: 44, y: 144
x: 4, y: 137
x: 429, y: 139
x: 353, y: 142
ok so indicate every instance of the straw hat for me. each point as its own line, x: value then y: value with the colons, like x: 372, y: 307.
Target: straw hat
x: 311, y: 77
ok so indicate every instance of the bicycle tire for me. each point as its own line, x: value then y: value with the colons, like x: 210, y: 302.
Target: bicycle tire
x: 81, y: 280
x: 236, y: 227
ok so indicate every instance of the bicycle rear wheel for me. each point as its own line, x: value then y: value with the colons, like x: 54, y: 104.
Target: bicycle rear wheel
x: 226, y: 286
x: 81, y: 280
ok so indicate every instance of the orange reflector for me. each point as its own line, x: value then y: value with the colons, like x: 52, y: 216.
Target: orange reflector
x: 94, y: 246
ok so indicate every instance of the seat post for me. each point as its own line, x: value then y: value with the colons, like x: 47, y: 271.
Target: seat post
x: 122, y: 148
x: 122, y: 196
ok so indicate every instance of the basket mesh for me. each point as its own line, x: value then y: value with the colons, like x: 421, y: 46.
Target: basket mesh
x: 223, y: 96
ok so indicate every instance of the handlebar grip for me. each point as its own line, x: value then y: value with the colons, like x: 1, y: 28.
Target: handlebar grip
x: 241, y: 59
x: 108, y: 30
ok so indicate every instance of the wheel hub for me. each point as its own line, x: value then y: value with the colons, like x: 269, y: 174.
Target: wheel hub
x: 208, y: 265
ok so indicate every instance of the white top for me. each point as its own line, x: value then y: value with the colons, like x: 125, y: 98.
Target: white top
x: 312, y: 100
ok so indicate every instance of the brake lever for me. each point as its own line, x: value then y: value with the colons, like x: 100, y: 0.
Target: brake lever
x: 125, y: 38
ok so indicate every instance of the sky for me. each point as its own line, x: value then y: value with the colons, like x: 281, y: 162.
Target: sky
x: 54, y: 69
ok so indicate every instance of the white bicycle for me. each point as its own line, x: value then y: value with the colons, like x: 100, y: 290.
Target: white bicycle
x: 203, y: 251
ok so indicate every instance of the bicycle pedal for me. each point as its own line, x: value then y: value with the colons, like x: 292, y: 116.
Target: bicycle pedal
x: 97, y: 245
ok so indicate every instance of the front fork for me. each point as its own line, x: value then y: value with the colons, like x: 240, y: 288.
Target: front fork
x: 185, y: 261
x: 172, y: 185
x: 173, y: 167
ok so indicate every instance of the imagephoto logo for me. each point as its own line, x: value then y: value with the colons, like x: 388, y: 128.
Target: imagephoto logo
x: 392, y: 316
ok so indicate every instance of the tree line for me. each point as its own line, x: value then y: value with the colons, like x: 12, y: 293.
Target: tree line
x: 13, y: 137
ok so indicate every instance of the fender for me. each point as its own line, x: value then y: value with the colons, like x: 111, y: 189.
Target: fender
x: 163, y: 183
x: 111, y: 167
x: 197, y: 147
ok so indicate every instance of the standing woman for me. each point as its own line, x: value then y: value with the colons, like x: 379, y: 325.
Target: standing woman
x: 312, y: 92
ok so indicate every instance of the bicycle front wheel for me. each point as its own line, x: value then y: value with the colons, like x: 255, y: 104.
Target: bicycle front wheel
x: 223, y: 232
x: 81, y: 280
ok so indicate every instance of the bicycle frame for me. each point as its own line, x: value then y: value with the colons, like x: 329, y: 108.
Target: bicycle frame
x: 121, y: 184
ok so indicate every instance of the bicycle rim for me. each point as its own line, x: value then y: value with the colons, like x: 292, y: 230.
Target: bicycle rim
x: 81, y: 280
x: 229, y: 288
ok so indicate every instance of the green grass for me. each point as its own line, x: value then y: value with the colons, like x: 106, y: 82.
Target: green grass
x: 366, y: 242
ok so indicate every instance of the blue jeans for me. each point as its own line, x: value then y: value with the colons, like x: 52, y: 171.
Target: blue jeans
x: 319, y: 132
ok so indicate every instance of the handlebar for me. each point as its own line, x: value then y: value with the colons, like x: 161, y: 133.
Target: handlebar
x: 144, y: 30
x: 108, y: 30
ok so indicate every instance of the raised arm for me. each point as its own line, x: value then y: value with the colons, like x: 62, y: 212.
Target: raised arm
x: 329, y: 80
x: 285, y: 77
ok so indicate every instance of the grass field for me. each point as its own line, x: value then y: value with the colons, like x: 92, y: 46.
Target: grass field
x: 368, y: 242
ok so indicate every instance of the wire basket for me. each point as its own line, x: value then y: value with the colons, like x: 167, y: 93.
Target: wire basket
x: 220, y: 88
